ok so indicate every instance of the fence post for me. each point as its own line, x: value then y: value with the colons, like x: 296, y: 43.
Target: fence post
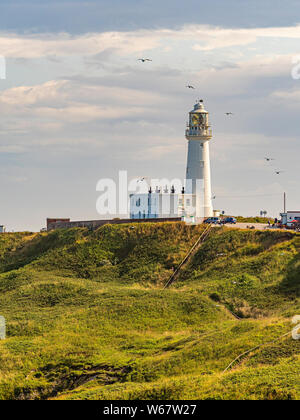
x: 2, y: 328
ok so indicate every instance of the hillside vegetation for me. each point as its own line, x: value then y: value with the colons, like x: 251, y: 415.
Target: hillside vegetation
x: 87, y: 316
x: 255, y: 219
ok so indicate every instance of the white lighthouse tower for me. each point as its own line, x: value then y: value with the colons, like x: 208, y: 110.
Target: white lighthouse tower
x: 198, y: 179
x: 194, y: 202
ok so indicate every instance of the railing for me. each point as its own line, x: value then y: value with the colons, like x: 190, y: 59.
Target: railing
x: 189, y: 254
x: 198, y: 133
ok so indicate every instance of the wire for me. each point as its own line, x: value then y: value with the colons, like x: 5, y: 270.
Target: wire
x: 254, y: 348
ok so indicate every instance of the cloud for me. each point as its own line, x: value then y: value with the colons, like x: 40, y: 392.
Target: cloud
x: 76, y: 102
x: 215, y: 38
x: 144, y: 110
x: 200, y: 37
x: 290, y: 96
x: 28, y: 95
x: 81, y: 16
x: 73, y: 125
x: 64, y: 44
x: 11, y: 149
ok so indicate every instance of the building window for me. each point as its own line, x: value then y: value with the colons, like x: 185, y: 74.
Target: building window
x: 138, y: 202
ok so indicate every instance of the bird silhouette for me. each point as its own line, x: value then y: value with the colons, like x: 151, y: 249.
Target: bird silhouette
x: 143, y: 60
x: 190, y: 87
x: 228, y: 113
x: 278, y: 172
x: 268, y: 159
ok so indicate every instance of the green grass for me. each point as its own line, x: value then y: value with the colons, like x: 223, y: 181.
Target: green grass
x: 87, y: 317
x: 255, y: 219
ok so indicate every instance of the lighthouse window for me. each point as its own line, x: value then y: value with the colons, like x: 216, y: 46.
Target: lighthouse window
x: 138, y: 202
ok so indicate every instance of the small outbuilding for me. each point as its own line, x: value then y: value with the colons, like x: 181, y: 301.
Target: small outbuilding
x: 290, y: 217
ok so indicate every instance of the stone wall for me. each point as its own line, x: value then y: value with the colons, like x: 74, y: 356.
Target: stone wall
x: 94, y: 224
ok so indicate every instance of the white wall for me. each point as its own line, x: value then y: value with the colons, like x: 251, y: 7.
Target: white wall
x: 159, y: 205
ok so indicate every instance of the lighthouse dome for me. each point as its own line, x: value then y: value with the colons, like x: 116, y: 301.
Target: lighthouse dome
x: 199, y: 107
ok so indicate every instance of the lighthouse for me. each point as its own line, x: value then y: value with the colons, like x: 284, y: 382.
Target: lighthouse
x: 198, y: 176
x: 193, y: 203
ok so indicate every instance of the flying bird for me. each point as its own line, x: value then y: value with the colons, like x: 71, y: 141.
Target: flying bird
x: 143, y: 60
x: 268, y: 159
x: 141, y: 179
x: 278, y: 172
x: 228, y: 113
x: 190, y: 87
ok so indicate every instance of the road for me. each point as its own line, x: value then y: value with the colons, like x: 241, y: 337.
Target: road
x: 257, y: 226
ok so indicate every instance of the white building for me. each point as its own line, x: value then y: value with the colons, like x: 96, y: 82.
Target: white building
x: 287, y: 218
x: 194, y: 202
x: 163, y: 204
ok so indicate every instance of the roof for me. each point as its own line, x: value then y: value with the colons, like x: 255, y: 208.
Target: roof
x: 199, y: 107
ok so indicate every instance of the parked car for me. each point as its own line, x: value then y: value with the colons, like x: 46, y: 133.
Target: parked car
x: 212, y: 220
x: 296, y: 225
x: 229, y: 220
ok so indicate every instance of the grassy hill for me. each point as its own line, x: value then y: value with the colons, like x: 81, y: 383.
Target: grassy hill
x: 87, y: 316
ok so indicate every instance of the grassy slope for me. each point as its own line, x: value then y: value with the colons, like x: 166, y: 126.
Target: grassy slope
x: 87, y: 316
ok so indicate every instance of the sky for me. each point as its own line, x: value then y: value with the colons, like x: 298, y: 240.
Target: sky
x: 77, y: 106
